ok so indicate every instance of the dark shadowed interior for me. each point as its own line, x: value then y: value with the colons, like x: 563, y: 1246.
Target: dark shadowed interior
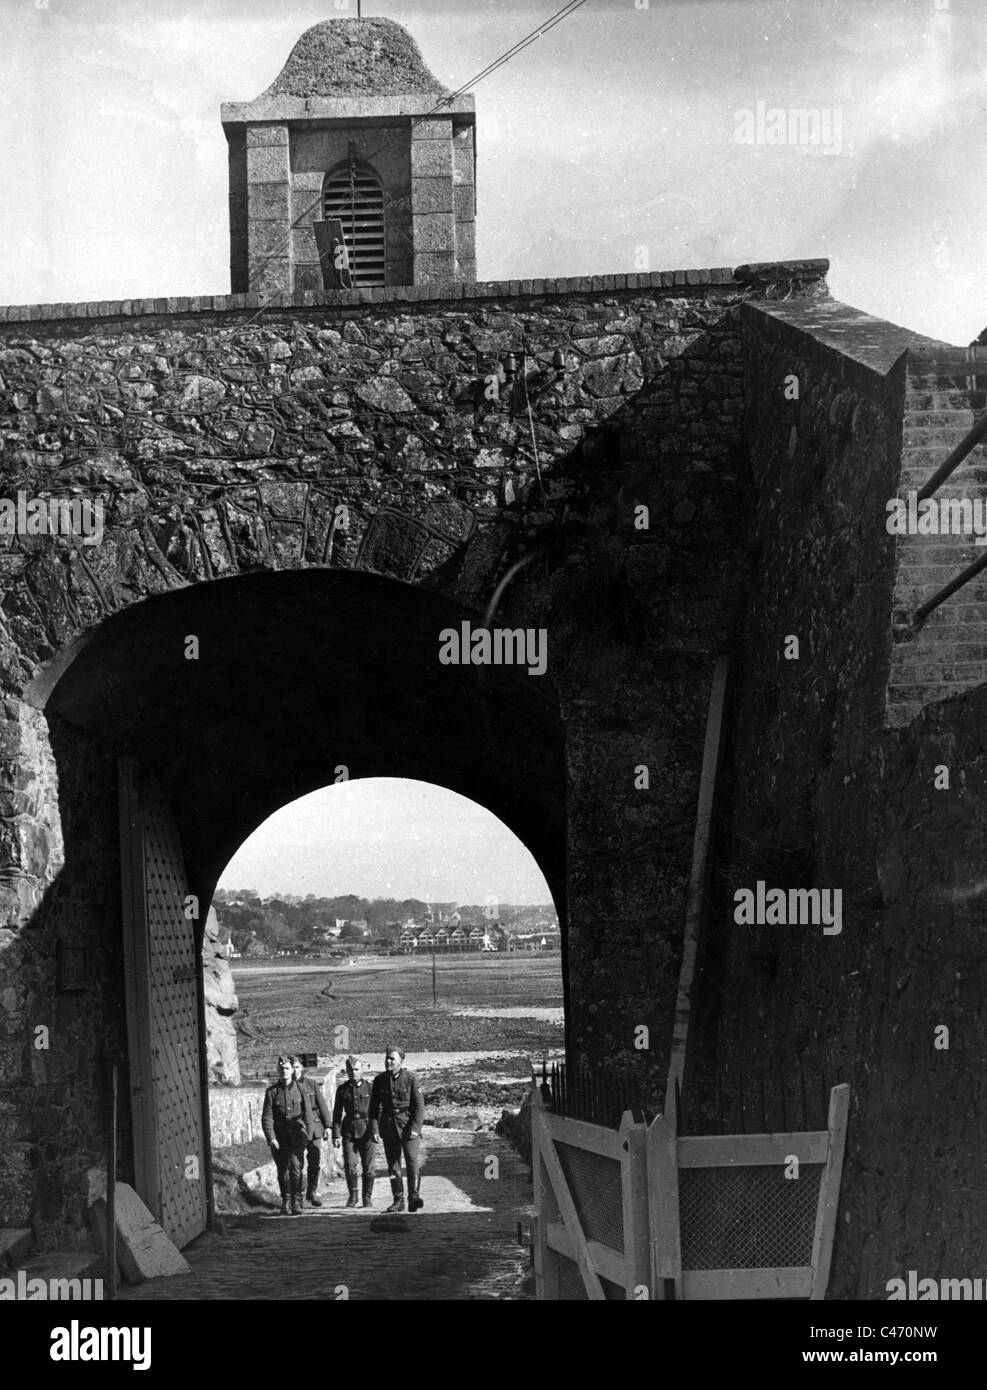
x: 302, y: 673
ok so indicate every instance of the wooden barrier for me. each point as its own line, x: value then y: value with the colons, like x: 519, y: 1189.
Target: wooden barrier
x: 571, y: 1213
x: 640, y: 1212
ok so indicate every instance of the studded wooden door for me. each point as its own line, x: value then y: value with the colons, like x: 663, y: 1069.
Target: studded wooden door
x: 162, y: 968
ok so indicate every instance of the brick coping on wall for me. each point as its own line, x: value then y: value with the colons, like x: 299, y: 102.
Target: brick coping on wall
x: 762, y: 273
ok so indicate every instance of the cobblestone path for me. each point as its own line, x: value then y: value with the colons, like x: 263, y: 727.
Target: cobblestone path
x: 461, y: 1246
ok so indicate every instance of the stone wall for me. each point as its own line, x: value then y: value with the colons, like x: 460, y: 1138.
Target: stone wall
x: 945, y: 654
x: 916, y: 1165
x: 823, y: 424
x: 224, y: 442
x: 56, y: 1045
x: 867, y: 1007
x: 235, y: 1114
x: 354, y: 435
x: 222, y: 1058
x: 235, y: 1111
x: 817, y: 792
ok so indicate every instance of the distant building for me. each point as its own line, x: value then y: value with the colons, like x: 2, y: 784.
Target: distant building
x: 356, y: 927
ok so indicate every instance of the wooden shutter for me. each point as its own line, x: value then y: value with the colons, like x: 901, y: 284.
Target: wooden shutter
x: 354, y: 195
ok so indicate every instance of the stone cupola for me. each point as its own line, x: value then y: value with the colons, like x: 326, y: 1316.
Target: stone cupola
x: 349, y: 130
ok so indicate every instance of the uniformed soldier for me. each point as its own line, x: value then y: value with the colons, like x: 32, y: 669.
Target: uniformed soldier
x: 397, y: 1113
x: 351, y: 1128
x: 320, y: 1124
x: 286, y: 1123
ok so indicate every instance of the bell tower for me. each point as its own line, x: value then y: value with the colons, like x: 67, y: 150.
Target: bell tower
x: 355, y: 129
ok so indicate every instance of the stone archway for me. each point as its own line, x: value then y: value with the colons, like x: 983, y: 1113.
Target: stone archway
x: 291, y: 677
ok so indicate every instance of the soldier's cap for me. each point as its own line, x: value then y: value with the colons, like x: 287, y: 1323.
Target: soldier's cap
x: 353, y: 1061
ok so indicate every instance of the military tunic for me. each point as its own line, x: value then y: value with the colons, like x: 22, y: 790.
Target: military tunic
x: 286, y: 1118
x: 351, y: 1124
x: 397, y: 1113
x: 319, y: 1122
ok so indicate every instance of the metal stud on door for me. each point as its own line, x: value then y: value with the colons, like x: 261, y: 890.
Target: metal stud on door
x: 161, y: 960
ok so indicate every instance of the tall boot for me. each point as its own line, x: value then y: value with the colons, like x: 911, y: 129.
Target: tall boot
x: 314, y: 1164
x: 352, y: 1182
x: 295, y: 1187
x: 368, y: 1192
x: 397, y: 1192
x: 414, y: 1176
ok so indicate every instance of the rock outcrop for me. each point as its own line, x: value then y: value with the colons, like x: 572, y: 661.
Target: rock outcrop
x: 221, y: 1005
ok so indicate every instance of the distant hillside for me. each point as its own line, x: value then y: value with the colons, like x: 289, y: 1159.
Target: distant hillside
x: 290, y: 922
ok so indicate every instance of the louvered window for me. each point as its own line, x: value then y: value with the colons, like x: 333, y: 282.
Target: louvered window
x: 353, y: 194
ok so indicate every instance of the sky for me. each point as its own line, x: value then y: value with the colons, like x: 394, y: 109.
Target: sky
x: 388, y: 837
x: 610, y: 144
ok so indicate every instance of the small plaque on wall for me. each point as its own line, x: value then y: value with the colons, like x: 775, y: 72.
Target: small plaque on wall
x: 71, y: 967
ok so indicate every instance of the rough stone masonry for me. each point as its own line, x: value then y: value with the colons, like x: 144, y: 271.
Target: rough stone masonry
x: 267, y: 475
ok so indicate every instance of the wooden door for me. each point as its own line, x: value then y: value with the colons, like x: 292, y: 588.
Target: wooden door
x: 162, y: 968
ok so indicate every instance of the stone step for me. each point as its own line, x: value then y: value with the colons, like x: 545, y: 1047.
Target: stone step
x: 956, y: 399
x: 947, y: 382
x: 939, y: 429
x: 950, y: 415
x: 16, y: 1244
x: 950, y: 367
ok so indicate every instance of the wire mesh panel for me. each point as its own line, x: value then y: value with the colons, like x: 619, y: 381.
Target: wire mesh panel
x: 595, y: 1184
x: 571, y: 1286
x: 572, y: 1289
x: 747, y: 1217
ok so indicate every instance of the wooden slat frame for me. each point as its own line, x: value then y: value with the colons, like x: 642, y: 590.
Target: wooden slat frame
x: 594, y: 1139
x: 546, y: 1212
x: 542, y: 1140
x: 712, y: 1284
x: 748, y: 1150
x: 663, y: 1202
x: 650, y: 1159
x: 636, y: 1271
x: 829, y: 1190
x: 546, y: 1261
x: 608, y: 1263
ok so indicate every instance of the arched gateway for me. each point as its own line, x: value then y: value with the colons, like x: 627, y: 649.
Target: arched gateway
x: 211, y: 707
x: 297, y: 496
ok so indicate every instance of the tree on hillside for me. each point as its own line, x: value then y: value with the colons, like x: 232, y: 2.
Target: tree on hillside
x: 351, y: 932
